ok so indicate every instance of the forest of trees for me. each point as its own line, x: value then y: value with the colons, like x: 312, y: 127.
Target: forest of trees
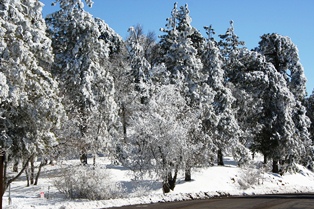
x: 71, y: 87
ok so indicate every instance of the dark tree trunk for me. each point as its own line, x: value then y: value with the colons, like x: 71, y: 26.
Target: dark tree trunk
x: 43, y: 163
x: 94, y: 160
x: 265, y: 159
x: 169, y: 181
x: 165, y: 187
x: 7, y: 181
x: 275, y: 166
x: 83, y: 158
x: 27, y: 174
x: 124, y: 125
x: 32, y: 175
x: 188, y: 174
x: 172, y: 180
x: 16, y: 166
x: 220, y: 158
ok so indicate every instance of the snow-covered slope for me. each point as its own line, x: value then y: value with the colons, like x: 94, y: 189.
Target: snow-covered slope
x: 206, y: 183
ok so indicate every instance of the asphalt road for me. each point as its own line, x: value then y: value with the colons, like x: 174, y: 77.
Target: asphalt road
x: 298, y: 201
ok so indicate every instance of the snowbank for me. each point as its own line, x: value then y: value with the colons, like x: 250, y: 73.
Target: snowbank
x: 207, y: 183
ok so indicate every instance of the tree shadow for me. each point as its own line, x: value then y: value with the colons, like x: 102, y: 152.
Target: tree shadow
x: 140, y: 186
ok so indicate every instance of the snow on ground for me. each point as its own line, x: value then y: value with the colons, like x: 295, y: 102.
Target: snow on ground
x: 210, y: 182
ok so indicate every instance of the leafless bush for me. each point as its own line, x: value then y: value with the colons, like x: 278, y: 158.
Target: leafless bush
x: 250, y: 175
x: 93, y: 183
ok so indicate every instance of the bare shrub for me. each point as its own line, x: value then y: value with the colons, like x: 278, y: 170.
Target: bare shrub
x: 251, y: 174
x: 93, y: 183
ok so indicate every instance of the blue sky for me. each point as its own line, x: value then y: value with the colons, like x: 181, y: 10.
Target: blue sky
x: 252, y: 18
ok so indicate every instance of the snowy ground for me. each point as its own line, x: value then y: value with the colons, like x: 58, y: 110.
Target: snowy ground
x: 206, y: 183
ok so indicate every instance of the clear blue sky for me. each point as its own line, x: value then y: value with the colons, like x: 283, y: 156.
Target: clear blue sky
x: 252, y: 18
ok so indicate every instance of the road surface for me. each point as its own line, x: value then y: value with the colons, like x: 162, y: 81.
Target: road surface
x: 298, y: 201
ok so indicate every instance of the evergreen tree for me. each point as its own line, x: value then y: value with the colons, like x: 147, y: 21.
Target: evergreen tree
x: 82, y: 47
x: 139, y: 65
x: 220, y: 122
x: 133, y: 85
x: 283, y: 54
x: 229, y: 45
x: 181, y: 58
x: 229, y: 42
x: 310, y: 112
x: 31, y: 111
x: 179, y: 22
x: 185, y: 68
x: 266, y: 107
x: 146, y: 41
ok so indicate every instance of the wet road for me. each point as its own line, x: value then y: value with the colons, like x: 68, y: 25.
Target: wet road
x: 295, y: 201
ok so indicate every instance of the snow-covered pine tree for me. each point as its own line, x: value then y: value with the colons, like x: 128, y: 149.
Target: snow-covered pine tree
x: 219, y: 115
x: 309, y: 104
x: 248, y: 83
x: 125, y: 97
x: 229, y: 45
x: 183, y: 62
x: 283, y: 54
x: 177, y: 23
x: 146, y: 41
x: 266, y: 110
x: 310, y: 112
x: 82, y: 46
x: 229, y: 42
x: 182, y: 59
x: 139, y: 65
x: 30, y: 110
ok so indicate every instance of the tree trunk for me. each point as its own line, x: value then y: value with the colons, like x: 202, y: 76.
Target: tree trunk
x: 220, y: 158
x: 32, y: 175
x: 38, y: 172
x: 166, y: 183
x: 275, y: 166
x: 83, y: 158
x: 173, y: 180
x: 265, y: 159
x: 124, y: 125
x: 188, y: 174
x: 165, y: 186
x: 27, y: 174
x: 16, y: 166
x: 94, y: 160
x: 8, y: 181
x: 169, y: 182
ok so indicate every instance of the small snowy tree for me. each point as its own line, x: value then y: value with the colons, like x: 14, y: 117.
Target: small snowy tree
x: 31, y: 111
x: 158, y: 138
